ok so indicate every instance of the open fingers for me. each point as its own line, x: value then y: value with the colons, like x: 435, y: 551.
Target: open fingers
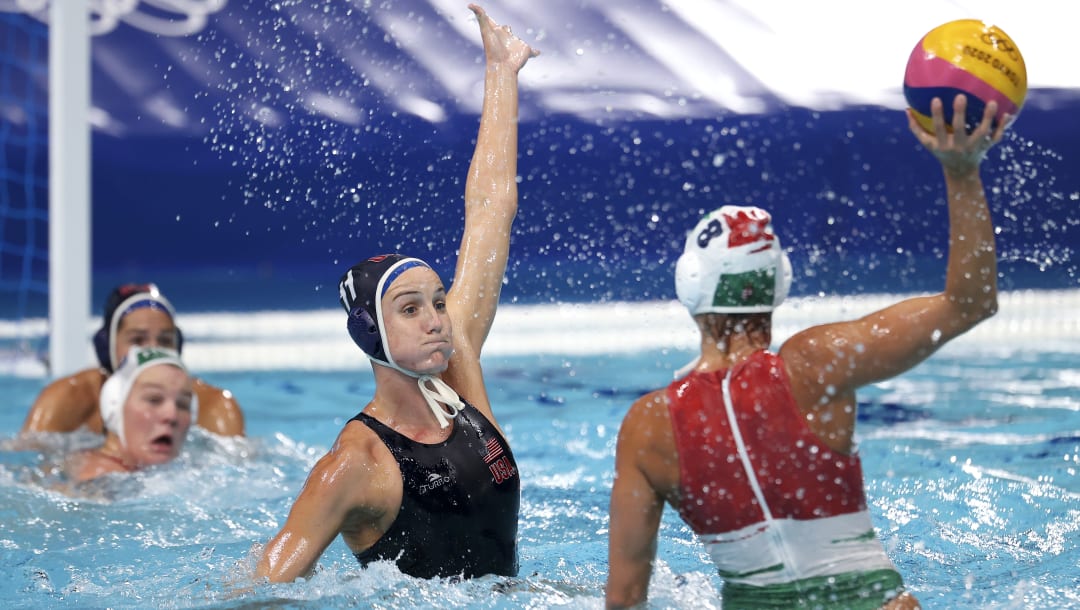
x: 959, y: 114
x: 937, y: 120
x: 958, y: 150
x: 1002, y: 125
x: 985, y: 128
x: 994, y: 133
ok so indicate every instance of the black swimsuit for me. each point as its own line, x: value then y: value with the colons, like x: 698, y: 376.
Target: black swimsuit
x: 459, y: 502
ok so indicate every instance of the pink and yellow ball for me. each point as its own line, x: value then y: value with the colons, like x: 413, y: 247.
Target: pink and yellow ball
x: 966, y: 56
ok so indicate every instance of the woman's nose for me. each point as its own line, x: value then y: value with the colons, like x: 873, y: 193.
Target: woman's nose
x: 170, y: 411
x: 435, y: 321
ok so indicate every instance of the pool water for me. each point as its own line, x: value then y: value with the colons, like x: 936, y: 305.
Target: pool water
x: 971, y: 461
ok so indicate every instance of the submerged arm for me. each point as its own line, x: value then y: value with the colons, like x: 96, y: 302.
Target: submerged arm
x: 312, y: 524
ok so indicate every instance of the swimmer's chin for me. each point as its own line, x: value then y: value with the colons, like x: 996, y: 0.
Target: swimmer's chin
x: 434, y: 368
x: 435, y: 364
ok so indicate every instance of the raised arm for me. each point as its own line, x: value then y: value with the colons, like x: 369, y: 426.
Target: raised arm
x: 490, y: 189
x: 828, y: 363
x: 971, y: 275
x: 490, y: 207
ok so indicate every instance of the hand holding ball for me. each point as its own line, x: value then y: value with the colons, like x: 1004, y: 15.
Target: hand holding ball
x: 970, y: 57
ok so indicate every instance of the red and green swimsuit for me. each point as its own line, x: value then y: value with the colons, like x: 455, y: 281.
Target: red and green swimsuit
x: 783, y: 517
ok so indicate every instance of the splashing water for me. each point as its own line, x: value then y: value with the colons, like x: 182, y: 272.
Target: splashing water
x: 971, y: 461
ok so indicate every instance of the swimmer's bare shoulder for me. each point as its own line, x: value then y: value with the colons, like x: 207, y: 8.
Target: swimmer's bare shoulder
x: 355, y: 490
x: 218, y: 410
x: 647, y: 442
x: 646, y: 412
x: 67, y: 404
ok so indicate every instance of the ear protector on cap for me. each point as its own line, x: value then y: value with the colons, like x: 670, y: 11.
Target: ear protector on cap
x: 733, y: 263
x: 360, y: 292
x: 365, y: 331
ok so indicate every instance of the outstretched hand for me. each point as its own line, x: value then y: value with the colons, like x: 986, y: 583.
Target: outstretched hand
x: 958, y: 151
x: 500, y: 44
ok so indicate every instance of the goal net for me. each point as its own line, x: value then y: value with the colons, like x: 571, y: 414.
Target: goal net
x: 24, y: 271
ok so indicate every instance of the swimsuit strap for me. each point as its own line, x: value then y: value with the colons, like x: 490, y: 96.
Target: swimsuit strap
x: 744, y: 455
x: 773, y: 533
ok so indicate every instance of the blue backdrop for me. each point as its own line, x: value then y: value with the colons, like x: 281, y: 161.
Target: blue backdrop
x: 248, y: 166
x: 604, y: 208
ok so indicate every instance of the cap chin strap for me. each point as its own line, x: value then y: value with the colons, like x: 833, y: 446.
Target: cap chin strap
x: 441, y: 398
x: 443, y: 401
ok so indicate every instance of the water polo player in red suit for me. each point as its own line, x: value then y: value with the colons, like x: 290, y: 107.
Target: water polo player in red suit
x: 753, y: 448
x: 135, y: 315
x: 453, y: 510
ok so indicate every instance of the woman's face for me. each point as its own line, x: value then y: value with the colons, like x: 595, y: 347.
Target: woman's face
x: 145, y: 327
x: 157, y: 415
x: 418, y: 331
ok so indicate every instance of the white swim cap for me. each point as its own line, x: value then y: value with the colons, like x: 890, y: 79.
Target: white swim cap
x: 114, y: 392
x: 733, y: 263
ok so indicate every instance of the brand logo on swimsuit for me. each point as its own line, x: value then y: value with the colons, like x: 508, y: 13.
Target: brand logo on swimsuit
x: 434, y: 481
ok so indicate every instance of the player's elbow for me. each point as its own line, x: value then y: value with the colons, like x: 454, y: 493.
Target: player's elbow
x: 981, y: 308
x: 990, y: 307
x: 499, y: 202
x: 968, y: 311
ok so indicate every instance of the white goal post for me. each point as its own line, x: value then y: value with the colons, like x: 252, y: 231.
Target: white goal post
x: 72, y: 24
x: 69, y: 186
